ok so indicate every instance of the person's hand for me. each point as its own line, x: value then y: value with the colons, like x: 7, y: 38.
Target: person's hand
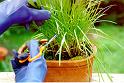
x: 18, y: 12
x: 29, y: 71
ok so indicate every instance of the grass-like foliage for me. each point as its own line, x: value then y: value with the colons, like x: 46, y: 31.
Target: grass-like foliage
x: 71, y: 20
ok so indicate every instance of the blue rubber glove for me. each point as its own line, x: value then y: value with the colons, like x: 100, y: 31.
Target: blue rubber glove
x: 29, y: 71
x: 17, y: 12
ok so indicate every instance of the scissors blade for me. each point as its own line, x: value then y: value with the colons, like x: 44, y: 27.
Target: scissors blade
x: 51, y: 40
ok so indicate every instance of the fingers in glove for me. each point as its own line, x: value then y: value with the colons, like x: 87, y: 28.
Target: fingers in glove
x: 23, y: 56
x: 33, y: 46
x: 15, y: 62
x: 38, y: 15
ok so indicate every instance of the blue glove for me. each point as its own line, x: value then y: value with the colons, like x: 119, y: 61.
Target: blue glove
x: 17, y: 12
x: 29, y: 71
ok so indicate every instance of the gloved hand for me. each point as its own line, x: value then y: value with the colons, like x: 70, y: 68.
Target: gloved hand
x: 29, y: 71
x: 17, y: 12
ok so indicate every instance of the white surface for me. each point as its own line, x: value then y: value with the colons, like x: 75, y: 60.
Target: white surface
x: 8, y: 77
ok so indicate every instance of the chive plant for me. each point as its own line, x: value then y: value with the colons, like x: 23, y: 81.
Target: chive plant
x: 72, y: 21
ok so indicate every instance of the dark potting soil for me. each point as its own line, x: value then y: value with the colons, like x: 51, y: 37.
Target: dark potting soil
x: 75, y: 54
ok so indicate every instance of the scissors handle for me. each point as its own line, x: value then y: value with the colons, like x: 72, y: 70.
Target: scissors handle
x: 34, y: 58
x: 38, y: 55
x: 42, y: 48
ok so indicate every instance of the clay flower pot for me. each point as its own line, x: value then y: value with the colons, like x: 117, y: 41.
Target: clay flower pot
x: 3, y: 53
x: 69, y: 70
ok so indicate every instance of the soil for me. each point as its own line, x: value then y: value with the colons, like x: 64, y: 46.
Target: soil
x: 75, y: 54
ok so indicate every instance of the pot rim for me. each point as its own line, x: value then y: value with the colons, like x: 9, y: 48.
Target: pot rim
x: 71, y: 63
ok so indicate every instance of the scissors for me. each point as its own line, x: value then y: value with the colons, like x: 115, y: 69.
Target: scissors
x: 42, y: 48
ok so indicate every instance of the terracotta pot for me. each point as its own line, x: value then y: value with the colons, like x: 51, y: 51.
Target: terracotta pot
x: 69, y: 70
x: 3, y: 53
